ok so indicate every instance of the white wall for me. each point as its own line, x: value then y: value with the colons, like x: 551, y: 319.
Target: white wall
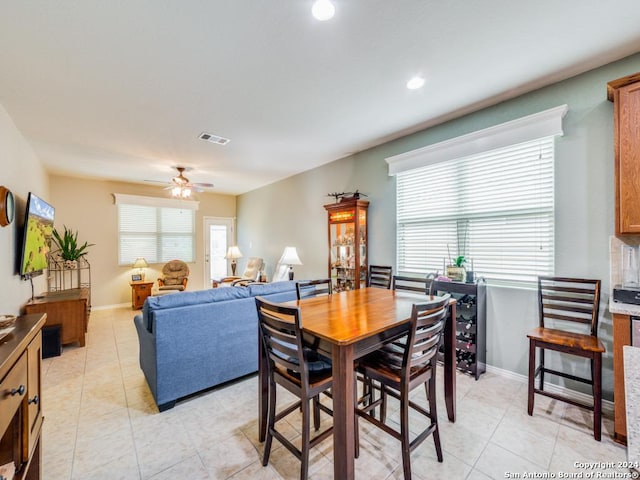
x: 22, y: 172
x: 291, y: 212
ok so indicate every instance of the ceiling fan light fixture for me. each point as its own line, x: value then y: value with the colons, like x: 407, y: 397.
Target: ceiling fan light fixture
x: 181, y: 192
x: 323, y: 10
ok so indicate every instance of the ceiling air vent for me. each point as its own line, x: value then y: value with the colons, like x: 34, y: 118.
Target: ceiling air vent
x: 214, y: 138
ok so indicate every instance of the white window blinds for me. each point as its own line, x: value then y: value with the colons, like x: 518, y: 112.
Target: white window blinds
x: 496, y: 208
x: 157, y: 233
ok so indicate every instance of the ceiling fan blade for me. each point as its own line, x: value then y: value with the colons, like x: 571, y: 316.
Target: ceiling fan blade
x: 203, y: 185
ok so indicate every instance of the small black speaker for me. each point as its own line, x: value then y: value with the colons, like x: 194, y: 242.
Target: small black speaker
x: 51, y: 346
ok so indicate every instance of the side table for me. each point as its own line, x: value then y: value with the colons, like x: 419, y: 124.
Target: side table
x: 139, y: 292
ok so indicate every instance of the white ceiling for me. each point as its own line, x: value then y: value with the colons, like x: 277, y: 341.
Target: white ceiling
x: 121, y: 89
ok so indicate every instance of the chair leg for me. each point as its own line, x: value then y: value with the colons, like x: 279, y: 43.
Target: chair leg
x: 356, y: 434
x: 404, y: 433
x: 541, y: 369
x: 596, y: 366
x: 532, y: 373
x: 383, y: 403
x: 430, y: 388
x: 270, y: 423
x: 304, y: 447
x: 316, y: 412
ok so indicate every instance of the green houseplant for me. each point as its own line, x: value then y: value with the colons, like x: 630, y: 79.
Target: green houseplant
x: 69, y: 248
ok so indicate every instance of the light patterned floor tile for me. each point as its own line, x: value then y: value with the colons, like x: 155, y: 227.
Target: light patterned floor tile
x: 101, y: 422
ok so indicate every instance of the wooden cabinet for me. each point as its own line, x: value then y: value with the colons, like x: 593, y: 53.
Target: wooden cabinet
x: 625, y: 95
x: 20, y: 397
x: 67, y: 308
x: 139, y: 293
x: 348, y: 257
x: 471, y: 330
x: 621, y: 337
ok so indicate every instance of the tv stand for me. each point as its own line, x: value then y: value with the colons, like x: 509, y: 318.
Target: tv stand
x: 68, y: 308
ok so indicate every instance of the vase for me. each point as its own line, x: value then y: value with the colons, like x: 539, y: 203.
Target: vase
x: 70, y: 264
x: 457, y: 274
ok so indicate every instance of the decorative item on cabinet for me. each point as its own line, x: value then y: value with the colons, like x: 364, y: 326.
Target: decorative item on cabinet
x: 348, y: 237
x: 625, y: 95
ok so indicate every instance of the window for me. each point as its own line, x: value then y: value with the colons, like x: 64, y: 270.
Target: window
x: 496, y: 208
x: 159, y: 230
x: 487, y: 195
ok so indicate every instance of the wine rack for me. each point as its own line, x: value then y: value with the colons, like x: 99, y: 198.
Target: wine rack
x: 471, y: 333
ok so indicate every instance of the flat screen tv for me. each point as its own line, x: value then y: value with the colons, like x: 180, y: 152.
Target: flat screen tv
x: 36, y: 240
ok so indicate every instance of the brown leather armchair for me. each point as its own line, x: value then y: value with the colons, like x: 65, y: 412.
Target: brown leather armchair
x: 175, y: 276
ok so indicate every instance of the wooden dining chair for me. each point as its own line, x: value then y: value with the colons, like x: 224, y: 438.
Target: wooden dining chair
x: 411, y: 284
x: 565, y: 305
x: 299, y: 370
x: 313, y: 288
x: 379, y: 276
x: 400, y: 367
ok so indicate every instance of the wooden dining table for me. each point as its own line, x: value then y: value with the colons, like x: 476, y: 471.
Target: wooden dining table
x: 346, y: 326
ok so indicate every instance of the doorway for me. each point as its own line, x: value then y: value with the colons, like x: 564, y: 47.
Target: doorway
x: 219, y: 234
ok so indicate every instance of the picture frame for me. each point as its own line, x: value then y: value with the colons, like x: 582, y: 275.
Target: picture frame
x: 136, y: 278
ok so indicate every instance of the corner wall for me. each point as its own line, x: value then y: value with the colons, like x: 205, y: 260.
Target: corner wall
x: 22, y: 172
x: 291, y: 212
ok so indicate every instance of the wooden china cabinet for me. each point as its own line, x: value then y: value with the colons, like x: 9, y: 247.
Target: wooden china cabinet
x: 625, y: 95
x: 348, y: 256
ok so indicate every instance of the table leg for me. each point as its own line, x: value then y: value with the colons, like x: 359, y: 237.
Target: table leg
x: 450, y: 363
x: 263, y: 387
x: 343, y: 412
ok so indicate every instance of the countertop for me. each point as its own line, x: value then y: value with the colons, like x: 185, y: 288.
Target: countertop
x: 623, y: 308
x: 632, y: 397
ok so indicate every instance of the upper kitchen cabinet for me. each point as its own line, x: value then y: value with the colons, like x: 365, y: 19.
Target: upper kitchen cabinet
x: 625, y: 95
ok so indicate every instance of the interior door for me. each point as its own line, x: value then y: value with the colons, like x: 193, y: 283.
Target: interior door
x: 219, y: 234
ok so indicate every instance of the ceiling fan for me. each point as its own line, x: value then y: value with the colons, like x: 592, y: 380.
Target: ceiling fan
x: 181, y: 187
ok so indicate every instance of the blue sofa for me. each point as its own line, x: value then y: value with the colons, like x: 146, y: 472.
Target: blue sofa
x: 191, y: 341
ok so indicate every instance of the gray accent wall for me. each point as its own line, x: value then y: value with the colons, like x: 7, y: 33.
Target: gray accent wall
x: 290, y: 212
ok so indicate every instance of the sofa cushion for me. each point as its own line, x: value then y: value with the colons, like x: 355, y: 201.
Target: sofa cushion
x: 184, y: 299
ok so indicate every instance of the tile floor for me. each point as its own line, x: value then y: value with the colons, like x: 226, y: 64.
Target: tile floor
x: 101, y: 422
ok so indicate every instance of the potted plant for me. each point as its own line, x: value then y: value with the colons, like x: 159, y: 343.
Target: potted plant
x: 69, y: 249
x: 457, y: 271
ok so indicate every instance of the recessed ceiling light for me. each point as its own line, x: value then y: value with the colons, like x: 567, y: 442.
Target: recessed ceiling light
x: 323, y: 10
x: 415, y: 82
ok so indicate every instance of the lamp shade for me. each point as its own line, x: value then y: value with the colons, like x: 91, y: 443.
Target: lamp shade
x: 290, y: 257
x: 233, y: 253
x: 140, y: 263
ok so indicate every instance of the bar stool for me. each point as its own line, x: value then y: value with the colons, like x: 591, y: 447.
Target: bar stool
x: 568, y: 301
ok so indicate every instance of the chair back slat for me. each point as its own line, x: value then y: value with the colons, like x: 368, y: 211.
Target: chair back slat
x: 281, y: 337
x: 427, y: 325
x: 567, y: 318
x: 411, y: 284
x: 572, y: 300
x: 563, y: 298
x: 379, y: 276
x: 313, y: 288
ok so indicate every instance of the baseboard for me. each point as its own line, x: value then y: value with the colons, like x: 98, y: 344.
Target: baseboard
x: 107, y: 307
x: 607, y: 405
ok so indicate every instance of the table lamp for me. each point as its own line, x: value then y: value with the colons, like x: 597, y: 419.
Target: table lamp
x: 233, y: 254
x: 290, y: 258
x: 141, y: 264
